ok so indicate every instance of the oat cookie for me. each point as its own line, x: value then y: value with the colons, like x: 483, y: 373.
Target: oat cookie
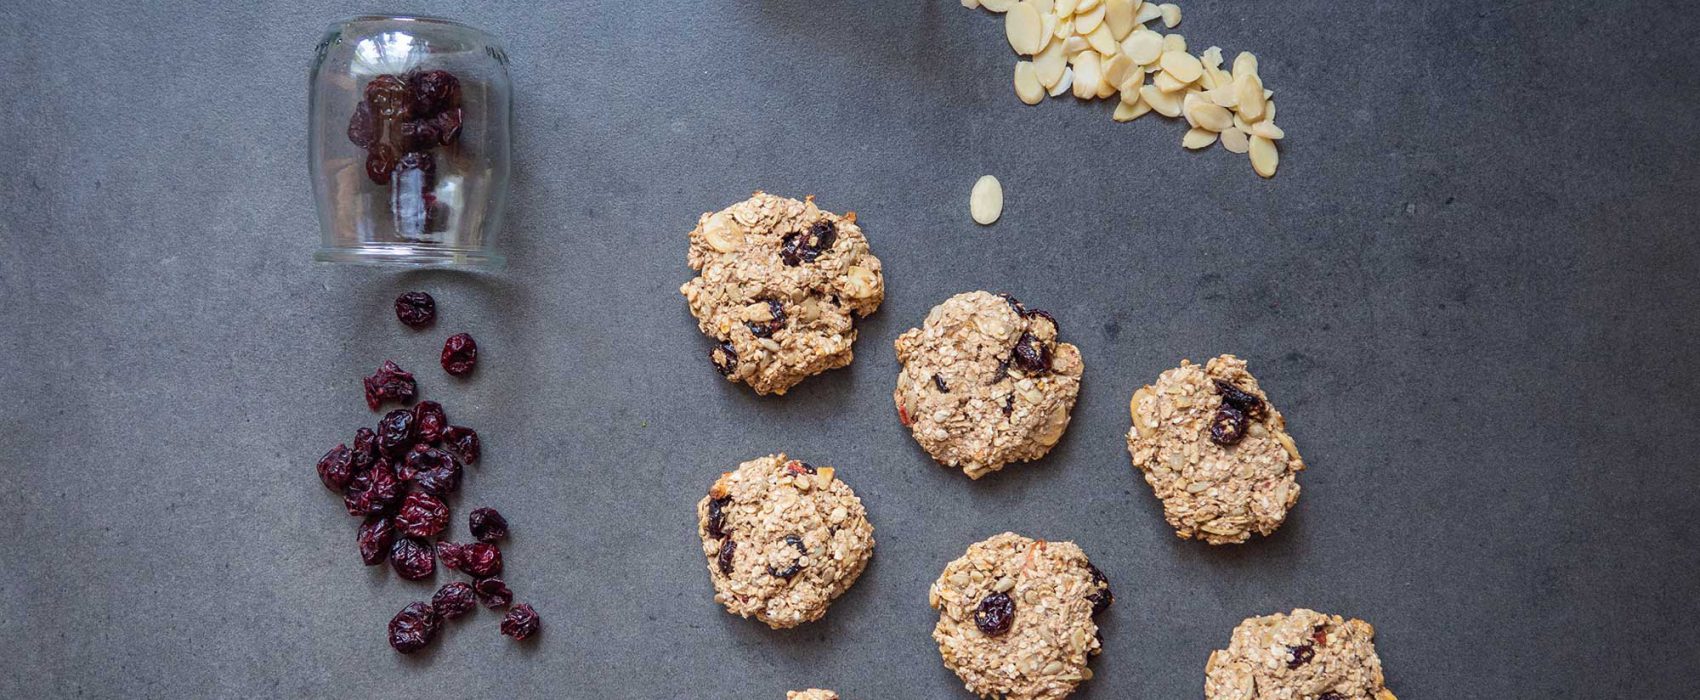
x: 779, y: 285
x: 985, y: 382
x: 1016, y: 617
x: 1302, y: 656
x: 783, y: 538
x: 811, y: 694
x: 1215, y: 451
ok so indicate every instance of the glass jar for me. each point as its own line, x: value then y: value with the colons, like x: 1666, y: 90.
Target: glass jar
x: 408, y: 142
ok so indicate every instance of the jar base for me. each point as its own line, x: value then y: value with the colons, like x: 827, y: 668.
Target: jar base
x: 412, y: 256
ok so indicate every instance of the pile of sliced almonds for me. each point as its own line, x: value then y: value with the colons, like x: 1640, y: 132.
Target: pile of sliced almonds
x: 1101, y: 48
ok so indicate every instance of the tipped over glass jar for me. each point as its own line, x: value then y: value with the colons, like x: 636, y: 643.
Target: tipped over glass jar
x: 409, y: 129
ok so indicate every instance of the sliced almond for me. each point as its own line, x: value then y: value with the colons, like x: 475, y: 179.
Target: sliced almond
x: 1075, y: 44
x: 1130, y: 88
x: 1024, y: 28
x: 1105, y: 87
x: 970, y: 4
x: 1171, y: 14
x: 1103, y: 41
x: 985, y: 201
x: 1086, y: 20
x: 1050, y: 63
x: 1118, y: 16
x: 722, y: 233
x: 1167, y: 104
x: 1027, y: 85
x: 1064, y: 29
x: 860, y: 282
x: 1128, y: 112
x: 1047, y: 28
x: 1143, y: 46
x: 1268, y: 130
x: 1065, y: 8
x: 1087, y: 74
x: 1044, y: 7
x: 1235, y: 140
x: 1208, y: 115
x: 1182, y: 65
x: 1063, y: 84
x: 1120, y: 69
x: 1196, y: 138
x: 1251, y: 97
x: 1147, y: 12
x: 823, y: 477
x: 997, y: 5
x: 1168, y: 83
x: 1174, y: 42
x: 1264, y: 157
x: 1245, y: 64
x: 1084, y: 6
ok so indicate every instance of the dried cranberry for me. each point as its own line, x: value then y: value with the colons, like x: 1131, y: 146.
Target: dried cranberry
x: 1247, y: 402
x: 795, y: 566
x: 480, y: 559
x: 797, y: 466
x: 995, y: 614
x: 416, y: 162
x: 376, y: 535
x: 448, y: 126
x: 493, y: 592
x: 460, y: 354
x: 336, y: 468
x: 433, y: 91
x: 1301, y: 655
x: 450, y: 553
x: 389, y: 97
x: 365, y: 450
x: 380, y: 163
x: 938, y: 381
x: 412, y: 558
x: 487, y: 525
x: 422, y: 515
x: 1102, y: 597
x: 724, y: 559
x: 1032, y: 355
x: 362, y: 126
x: 1229, y: 426
x: 725, y: 358
x: 802, y: 247
x: 776, y: 321
x: 454, y: 599
x: 717, y: 516
x: 1014, y: 305
x: 414, y: 627
x: 1008, y: 405
x: 419, y: 134
x: 373, y: 491
x: 1330, y: 695
x: 1320, y: 635
x: 416, y: 309
x: 397, y: 431
x: 463, y: 442
x: 429, y: 420
x: 389, y: 383
x: 435, y: 471
x: 521, y: 622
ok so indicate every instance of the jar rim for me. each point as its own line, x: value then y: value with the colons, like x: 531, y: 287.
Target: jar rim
x: 421, y: 19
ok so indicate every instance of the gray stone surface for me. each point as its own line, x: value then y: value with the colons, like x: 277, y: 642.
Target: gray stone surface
x: 1472, y: 289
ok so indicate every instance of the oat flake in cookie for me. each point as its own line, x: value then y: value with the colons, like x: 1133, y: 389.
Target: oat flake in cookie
x: 1215, y: 451
x: 778, y: 288
x: 985, y: 382
x: 1016, y: 617
x: 811, y: 694
x: 783, y: 539
x: 1302, y: 656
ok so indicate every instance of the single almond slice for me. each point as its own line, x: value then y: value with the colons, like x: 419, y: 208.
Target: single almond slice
x: 1268, y: 130
x: 1245, y: 64
x: 1120, y: 69
x: 1085, y: 6
x: 1128, y: 112
x: 1198, y: 138
x: 1063, y: 84
x: 1269, y: 110
x: 997, y: 5
x: 1087, y: 74
x: 1130, y: 89
x: 1168, y: 83
x: 1118, y: 16
x: 1144, y: 46
x: 1103, y: 41
x: 985, y: 201
x: 1065, y: 8
x: 1049, y: 64
x: 1047, y: 28
x: 1167, y: 104
x: 1075, y: 44
x: 1174, y: 42
x: 1182, y: 65
x: 1027, y: 85
x: 1211, y: 57
x: 1171, y: 14
x: 1087, y: 20
x: 1208, y: 115
x: 1264, y: 157
x: 1251, y: 97
x: 1105, y: 87
x: 1224, y: 96
x: 1023, y: 27
x: 1064, y: 30
x: 1147, y: 12
x: 1235, y: 140
x: 970, y: 4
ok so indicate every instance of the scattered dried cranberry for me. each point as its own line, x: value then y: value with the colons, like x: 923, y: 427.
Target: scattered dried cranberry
x: 1302, y: 654
x: 389, y: 97
x: 430, y: 421
x: 795, y: 566
x: 1229, y: 426
x: 380, y: 163
x: 460, y: 354
x: 521, y: 622
x: 717, y: 516
x: 493, y: 592
x: 776, y: 321
x: 412, y: 558
x: 1032, y: 355
x: 1102, y: 597
x: 487, y: 525
x: 725, y: 358
x: 373, y: 491
x: 417, y: 162
x: 1247, y: 402
x: 362, y: 127
x: 336, y: 468
x: 414, y: 627
x: 450, y: 553
x: 938, y: 381
x: 435, y: 471
x: 448, y: 126
x: 480, y: 559
x: 433, y: 91
x: 397, y: 431
x: 376, y: 535
x: 416, y: 309
x: 724, y: 559
x: 995, y: 614
x: 365, y: 450
x: 454, y: 599
x: 799, y: 248
x: 422, y: 515
x: 389, y: 383
x: 463, y: 442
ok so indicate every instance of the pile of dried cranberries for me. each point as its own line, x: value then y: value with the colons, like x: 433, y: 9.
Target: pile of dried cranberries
x: 398, y: 478
x: 399, y: 123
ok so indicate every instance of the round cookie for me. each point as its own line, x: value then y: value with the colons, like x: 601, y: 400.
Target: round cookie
x: 783, y: 539
x: 1016, y: 617
x: 1302, y: 656
x: 811, y: 694
x: 1215, y: 451
x: 779, y: 285
x: 985, y: 382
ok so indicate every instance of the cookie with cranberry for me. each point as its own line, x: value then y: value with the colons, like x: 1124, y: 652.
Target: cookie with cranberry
x: 1304, y: 655
x: 1215, y: 451
x: 779, y: 286
x: 782, y: 539
x: 1016, y: 617
x: 986, y: 381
